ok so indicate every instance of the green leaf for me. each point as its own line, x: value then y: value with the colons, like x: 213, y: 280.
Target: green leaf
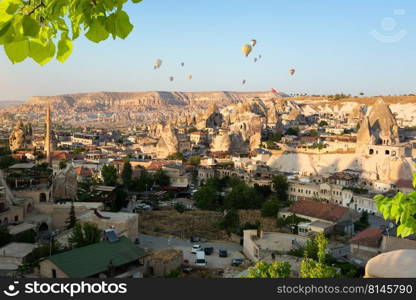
x: 136, y: 1
x: 40, y: 53
x: 414, y: 180
x: 12, y: 8
x: 64, y: 49
x: 17, y: 51
x: 122, y: 24
x: 97, y: 32
x: 4, y: 28
x: 30, y: 26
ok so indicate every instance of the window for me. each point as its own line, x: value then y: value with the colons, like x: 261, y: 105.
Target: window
x: 371, y: 152
x: 53, y: 273
x: 387, y: 152
x: 16, y: 218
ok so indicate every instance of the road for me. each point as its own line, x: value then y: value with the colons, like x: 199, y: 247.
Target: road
x: 213, y: 260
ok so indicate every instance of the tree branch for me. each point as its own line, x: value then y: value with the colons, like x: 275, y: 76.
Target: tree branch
x: 36, y: 8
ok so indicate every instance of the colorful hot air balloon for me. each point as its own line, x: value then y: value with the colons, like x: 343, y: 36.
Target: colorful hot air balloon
x: 182, y: 64
x: 259, y: 56
x: 190, y: 77
x: 255, y: 59
x: 158, y: 63
x: 244, y: 81
x: 171, y: 78
x: 292, y: 72
x: 246, y: 49
x: 253, y: 43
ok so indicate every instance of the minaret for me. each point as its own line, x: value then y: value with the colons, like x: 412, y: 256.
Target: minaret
x: 48, y: 135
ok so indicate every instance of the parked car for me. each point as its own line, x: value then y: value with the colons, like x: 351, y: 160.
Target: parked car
x: 236, y: 262
x: 200, y: 259
x: 208, y: 250
x: 223, y: 253
x: 196, y: 248
x: 195, y: 239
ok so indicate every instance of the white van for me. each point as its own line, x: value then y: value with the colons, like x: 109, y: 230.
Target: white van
x: 200, y: 259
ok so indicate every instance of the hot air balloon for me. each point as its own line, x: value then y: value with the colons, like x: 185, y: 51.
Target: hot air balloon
x: 171, y: 78
x: 190, y: 77
x: 246, y: 49
x: 244, y: 81
x: 182, y: 64
x: 255, y: 59
x: 253, y: 43
x: 158, y: 63
x: 259, y: 56
x: 292, y: 72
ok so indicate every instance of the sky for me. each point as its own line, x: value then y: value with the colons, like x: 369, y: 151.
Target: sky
x: 335, y: 46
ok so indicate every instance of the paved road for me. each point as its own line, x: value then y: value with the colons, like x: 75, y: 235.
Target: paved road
x: 213, y: 261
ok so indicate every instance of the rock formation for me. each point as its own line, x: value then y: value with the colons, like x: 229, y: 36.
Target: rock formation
x: 65, y: 184
x: 379, y: 127
x: 168, y: 143
x: 17, y: 138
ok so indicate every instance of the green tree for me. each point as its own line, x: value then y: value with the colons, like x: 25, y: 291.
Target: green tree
x: 195, y: 160
x: 272, y: 270
x: 180, y: 208
x: 274, y: 137
x: 293, y: 131
x: 44, y: 29
x: 207, y: 198
x: 362, y: 223
x: 6, y: 161
x: 281, y: 186
x: 161, y: 178
x: 109, y: 174
x: 72, y: 219
x: 323, y: 123
x: 231, y: 222
x: 400, y: 208
x: 243, y: 197
x: 120, y: 201
x: 127, y: 174
x: 5, y: 236
x: 176, y: 156
x: 144, y: 182
x: 311, y: 268
x: 314, y: 133
x: 78, y: 151
x: 62, y: 164
x: 270, y: 208
x: 84, y: 234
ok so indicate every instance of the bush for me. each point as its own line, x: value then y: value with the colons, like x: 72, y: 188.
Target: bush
x: 180, y: 208
x: 270, y: 209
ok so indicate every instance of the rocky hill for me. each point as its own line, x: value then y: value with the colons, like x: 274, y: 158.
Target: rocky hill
x: 124, y: 106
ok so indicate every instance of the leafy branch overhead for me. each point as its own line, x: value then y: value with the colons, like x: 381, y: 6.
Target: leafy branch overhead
x: 44, y: 29
x: 401, y: 209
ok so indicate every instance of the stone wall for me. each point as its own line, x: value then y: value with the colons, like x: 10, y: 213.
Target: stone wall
x: 46, y: 267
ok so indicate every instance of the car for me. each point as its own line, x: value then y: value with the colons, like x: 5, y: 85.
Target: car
x: 195, y: 239
x: 208, y: 250
x: 200, y: 259
x: 236, y: 262
x: 196, y: 248
x: 222, y: 253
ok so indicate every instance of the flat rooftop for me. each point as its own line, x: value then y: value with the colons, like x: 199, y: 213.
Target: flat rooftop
x: 22, y: 166
x: 16, y: 229
x: 17, y: 250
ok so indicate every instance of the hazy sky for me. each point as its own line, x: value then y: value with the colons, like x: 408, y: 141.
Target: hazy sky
x: 354, y: 46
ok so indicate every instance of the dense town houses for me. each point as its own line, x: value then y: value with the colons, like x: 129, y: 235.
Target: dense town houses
x: 334, y: 164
